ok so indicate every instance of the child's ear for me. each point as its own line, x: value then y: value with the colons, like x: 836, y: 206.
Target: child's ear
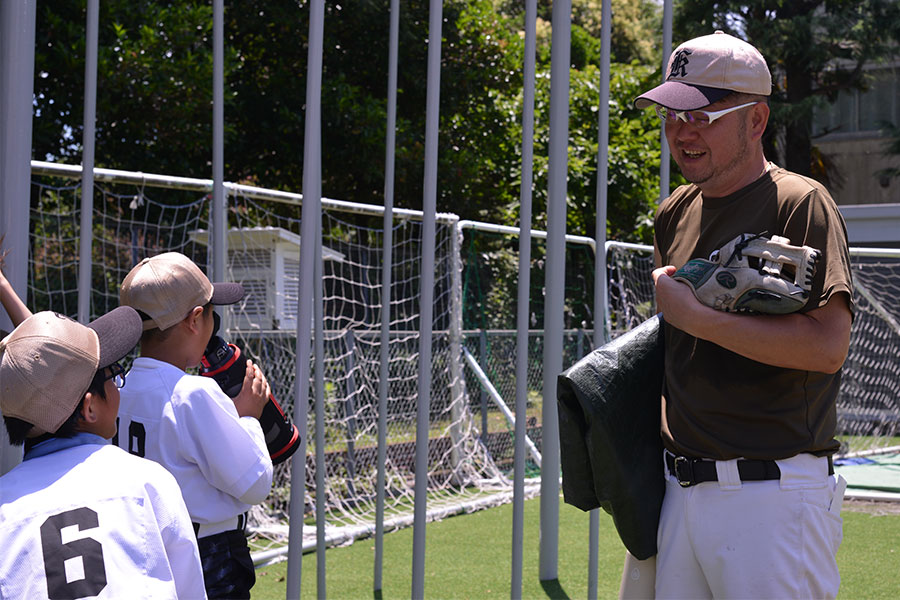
x: 195, y: 319
x: 88, y: 408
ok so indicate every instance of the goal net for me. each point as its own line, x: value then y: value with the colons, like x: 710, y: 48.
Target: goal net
x: 131, y: 221
x: 869, y: 400
x: 263, y: 255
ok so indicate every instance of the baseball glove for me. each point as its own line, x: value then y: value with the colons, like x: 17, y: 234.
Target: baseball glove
x: 753, y: 273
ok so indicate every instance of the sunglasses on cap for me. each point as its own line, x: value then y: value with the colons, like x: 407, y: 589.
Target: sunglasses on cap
x: 698, y: 118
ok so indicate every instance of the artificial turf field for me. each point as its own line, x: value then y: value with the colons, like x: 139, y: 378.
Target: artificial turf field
x: 469, y: 557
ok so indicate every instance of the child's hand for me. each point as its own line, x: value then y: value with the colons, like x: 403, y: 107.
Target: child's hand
x: 254, y: 392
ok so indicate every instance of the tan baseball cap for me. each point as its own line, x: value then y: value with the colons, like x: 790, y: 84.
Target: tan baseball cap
x: 47, y: 363
x: 708, y: 68
x: 167, y: 287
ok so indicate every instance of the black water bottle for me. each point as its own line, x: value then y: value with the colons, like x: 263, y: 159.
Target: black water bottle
x: 227, y: 365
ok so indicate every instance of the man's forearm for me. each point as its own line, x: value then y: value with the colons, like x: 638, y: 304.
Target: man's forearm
x: 817, y: 340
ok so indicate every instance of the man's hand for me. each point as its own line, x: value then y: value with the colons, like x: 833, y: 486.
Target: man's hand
x: 675, y: 300
x: 254, y: 392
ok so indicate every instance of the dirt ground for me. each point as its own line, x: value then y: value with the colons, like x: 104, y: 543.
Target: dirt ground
x: 875, y: 507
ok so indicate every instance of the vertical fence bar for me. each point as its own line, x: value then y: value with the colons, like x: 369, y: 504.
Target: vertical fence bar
x: 455, y: 364
x: 17, y: 32
x: 664, y: 164
x: 555, y: 283
x: 312, y: 206
x: 86, y: 236
x: 601, y: 304
x: 386, y: 280
x: 218, y: 224
x: 601, y: 284
x: 350, y: 410
x: 319, y: 346
x: 482, y: 354
x: 523, y: 307
x: 429, y: 209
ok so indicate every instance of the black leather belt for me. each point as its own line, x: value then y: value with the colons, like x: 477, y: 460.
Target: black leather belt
x: 691, y: 471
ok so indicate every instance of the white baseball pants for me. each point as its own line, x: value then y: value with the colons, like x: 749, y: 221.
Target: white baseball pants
x: 755, y: 539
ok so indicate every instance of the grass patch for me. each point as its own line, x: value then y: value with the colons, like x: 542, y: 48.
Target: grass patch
x: 470, y: 557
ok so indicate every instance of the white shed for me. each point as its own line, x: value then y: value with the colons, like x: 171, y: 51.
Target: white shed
x: 266, y: 261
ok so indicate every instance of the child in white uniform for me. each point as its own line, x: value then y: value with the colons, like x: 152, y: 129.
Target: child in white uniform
x: 79, y: 517
x: 213, y: 445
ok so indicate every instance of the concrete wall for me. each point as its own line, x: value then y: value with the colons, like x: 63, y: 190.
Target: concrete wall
x: 870, y: 204
x: 874, y: 225
x: 858, y: 159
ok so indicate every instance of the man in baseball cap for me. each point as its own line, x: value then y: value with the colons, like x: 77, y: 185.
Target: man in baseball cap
x: 213, y: 445
x: 751, y: 503
x: 59, y: 392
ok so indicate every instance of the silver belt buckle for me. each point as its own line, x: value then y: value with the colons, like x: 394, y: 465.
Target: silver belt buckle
x: 684, y: 465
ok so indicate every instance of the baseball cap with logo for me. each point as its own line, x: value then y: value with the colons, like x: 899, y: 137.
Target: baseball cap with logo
x: 706, y: 69
x: 167, y: 287
x: 47, y: 363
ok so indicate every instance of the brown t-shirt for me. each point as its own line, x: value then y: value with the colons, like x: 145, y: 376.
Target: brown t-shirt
x: 716, y: 403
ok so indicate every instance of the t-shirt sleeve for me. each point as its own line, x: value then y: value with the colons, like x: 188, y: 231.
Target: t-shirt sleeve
x: 259, y: 489
x: 229, y: 450
x: 816, y: 222
x: 661, y: 227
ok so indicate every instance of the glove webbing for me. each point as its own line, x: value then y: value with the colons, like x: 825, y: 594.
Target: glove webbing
x: 738, y: 248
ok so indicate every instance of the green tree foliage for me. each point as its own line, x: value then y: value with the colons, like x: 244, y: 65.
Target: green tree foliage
x: 154, y: 101
x: 814, y: 48
x: 154, y: 110
x: 633, y: 188
x: 154, y: 85
x: 635, y: 28
x: 635, y: 24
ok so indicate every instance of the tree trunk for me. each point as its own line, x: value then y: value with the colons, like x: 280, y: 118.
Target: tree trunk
x: 798, y: 85
x: 798, y: 148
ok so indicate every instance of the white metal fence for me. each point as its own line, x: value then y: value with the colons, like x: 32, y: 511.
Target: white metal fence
x: 471, y: 416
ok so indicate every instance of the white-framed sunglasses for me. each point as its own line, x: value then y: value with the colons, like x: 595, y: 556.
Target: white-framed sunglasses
x: 698, y: 118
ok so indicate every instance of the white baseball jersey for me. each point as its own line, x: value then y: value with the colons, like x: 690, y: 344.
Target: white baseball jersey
x: 187, y: 424
x: 80, y: 518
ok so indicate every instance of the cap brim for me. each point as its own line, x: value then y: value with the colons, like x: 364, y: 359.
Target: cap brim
x: 119, y: 331
x: 680, y: 96
x: 226, y: 293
